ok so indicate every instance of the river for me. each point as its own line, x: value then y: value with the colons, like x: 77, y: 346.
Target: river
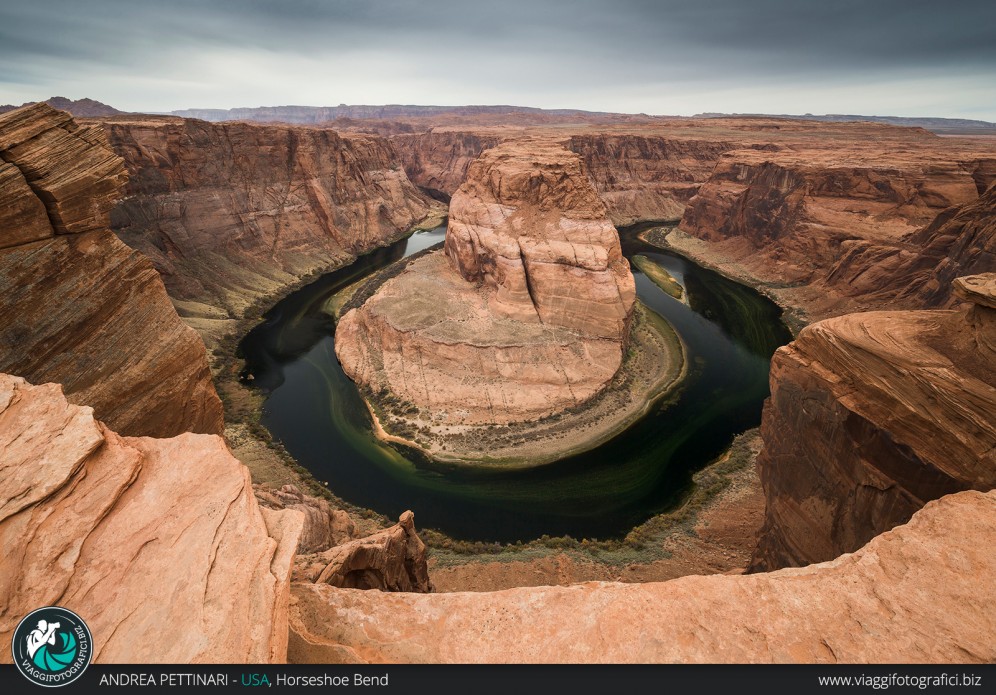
x: 729, y: 331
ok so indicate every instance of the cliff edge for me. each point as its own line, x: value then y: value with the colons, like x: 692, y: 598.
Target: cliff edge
x: 77, y: 306
x: 871, y: 416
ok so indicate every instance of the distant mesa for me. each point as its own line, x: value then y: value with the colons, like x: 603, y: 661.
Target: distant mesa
x: 81, y: 108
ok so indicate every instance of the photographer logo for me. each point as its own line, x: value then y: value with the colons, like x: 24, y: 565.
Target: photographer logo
x: 52, y: 646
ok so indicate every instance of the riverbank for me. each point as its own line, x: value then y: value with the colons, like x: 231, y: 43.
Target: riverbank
x: 652, y: 369
x: 713, y: 531
x: 268, y: 461
x: 792, y: 299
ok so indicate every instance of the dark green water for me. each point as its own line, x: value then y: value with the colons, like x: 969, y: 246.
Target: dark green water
x: 729, y: 331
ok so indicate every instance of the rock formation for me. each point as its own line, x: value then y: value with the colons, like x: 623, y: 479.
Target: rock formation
x: 646, y: 177
x: 638, y: 177
x: 78, y: 307
x: 324, y: 527
x: 915, y: 594
x: 389, y: 560
x: 794, y: 208
x: 230, y: 213
x: 438, y: 160
x: 158, y: 544
x: 920, y: 269
x: 527, y: 312
x: 871, y: 415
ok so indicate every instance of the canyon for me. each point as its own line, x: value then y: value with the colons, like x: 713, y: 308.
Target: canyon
x: 876, y: 453
x: 232, y: 214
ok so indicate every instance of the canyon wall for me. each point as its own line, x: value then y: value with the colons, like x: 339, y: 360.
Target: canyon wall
x: 791, y: 210
x: 526, y: 313
x: 638, y: 177
x: 158, y: 544
x: 79, y: 307
x: 645, y: 177
x: 230, y: 213
x: 438, y: 160
x: 862, y: 227
x: 919, y: 593
x: 961, y: 240
x: 871, y: 415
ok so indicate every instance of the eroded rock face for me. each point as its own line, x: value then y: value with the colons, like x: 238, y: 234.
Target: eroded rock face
x: 232, y: 212
x: 914, y: 594
x: 389, y: 560
x: 78, y: 307
x: 528, y: 225
x: 795, y: 208
x: 525, y: 315
x: 324, y: 527
x: 158, y: 544
x: 438, y: 160
x: 920, y: 270
x: 871, y: 416
x: 646, y: 177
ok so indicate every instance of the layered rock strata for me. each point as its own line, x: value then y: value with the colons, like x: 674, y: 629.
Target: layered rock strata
x: 637, y: 176
x: 324, y: 527
x: 872, y: 415
x: 78, y: 307
x: 920, y: 269
x: 233, y: 212
x: 438, y: 160
x: 914, y: 594
x: 158, y: 544
x: 646, y: 177
x: 793, y: 209
x: 525, y: 314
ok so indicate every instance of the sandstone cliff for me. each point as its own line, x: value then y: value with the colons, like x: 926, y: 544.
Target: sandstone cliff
x: 158, y: 544
x: 792, y: 209
x: 525, y: 315
x: 646, y: 177
x: 77, y: 306
x: 438, y: 160
x: 920, y: 269
x: 638, y: 177
x: 872, y: 415
x: 230, y: 213
x: 916, y: 594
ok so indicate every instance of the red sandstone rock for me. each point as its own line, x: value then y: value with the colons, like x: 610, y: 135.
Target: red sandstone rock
x: 82, y: 309
x: 233, y: 212
x: 871, y: 416
x: 919, y: 270
x: 389, y: 560
x: 324, y: 527
x: 918, y: 593
x: 531, y: 315
x: 158, y: 544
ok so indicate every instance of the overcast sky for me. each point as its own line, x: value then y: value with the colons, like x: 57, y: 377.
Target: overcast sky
x: 873, y: 57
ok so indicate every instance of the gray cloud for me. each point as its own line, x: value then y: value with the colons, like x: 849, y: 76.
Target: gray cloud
x: 673, y: 56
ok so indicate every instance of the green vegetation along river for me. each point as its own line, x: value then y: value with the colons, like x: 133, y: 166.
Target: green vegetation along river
x: 729, y: 332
